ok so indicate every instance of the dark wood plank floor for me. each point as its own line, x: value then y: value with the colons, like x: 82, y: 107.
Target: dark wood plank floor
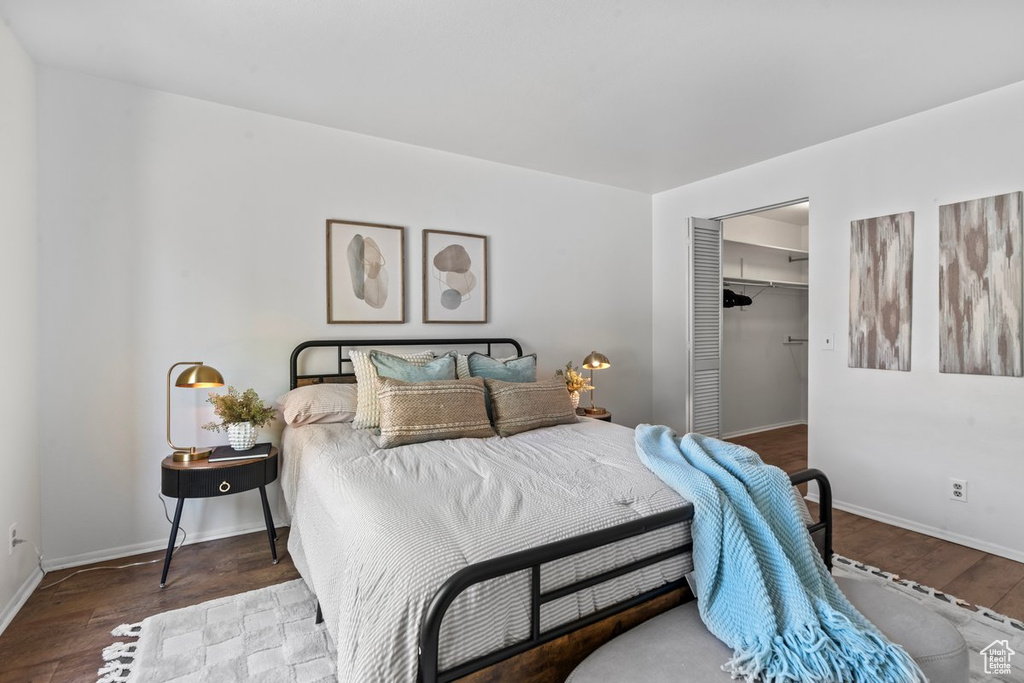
x: 60, y: 632
x: 969, y: 574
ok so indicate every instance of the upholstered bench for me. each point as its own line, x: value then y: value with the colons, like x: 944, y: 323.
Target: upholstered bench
x: 676, y: 646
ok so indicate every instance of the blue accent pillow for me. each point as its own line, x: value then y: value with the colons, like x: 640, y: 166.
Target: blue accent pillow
x: 522, y: 369
x: 395, y: 367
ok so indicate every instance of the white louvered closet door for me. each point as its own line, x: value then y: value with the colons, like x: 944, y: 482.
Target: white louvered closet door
x: 704, y: 398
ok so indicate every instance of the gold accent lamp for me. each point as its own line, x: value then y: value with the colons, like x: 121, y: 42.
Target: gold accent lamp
x: 595, y: 361
x: 198, y: 376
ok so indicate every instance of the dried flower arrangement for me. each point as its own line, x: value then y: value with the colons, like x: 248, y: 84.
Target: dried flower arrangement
x: 235, y: 406
x: 574, y: 381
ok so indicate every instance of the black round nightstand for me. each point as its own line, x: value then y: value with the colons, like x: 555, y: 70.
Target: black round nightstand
x: 205, y: 479
x: 604, y: 417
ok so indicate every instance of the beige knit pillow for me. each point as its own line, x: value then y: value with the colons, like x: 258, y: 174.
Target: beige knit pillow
x: 367, y: 412
x: 522, y: 406
x: 414, y: 412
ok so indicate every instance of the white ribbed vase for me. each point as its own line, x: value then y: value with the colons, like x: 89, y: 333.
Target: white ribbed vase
x: 575, y: 396
x: 242, y: 435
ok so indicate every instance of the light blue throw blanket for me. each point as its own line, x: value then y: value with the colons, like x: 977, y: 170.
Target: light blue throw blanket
x: 761, y: 585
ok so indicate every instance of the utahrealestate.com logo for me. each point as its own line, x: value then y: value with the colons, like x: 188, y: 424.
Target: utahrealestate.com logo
x: 997, y: 657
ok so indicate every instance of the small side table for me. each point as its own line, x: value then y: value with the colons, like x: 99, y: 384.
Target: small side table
x: 205, y: 479
x: 604, y: 417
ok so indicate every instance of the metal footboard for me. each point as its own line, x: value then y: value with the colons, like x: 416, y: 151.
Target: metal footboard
x: 533, y: 558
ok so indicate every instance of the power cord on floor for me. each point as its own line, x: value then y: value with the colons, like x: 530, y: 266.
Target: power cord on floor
x: 184, y: 536
x: 39, y: 556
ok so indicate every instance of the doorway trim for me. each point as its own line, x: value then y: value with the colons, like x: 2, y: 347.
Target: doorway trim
x: 760, y: 209
x: 691, y: 360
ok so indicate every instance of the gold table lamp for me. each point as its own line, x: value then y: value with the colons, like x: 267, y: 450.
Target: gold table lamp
x: 198, y: 376
x: 595, y: 361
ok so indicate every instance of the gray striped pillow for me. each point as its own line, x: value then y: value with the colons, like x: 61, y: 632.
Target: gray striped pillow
x: 320, y: 403
x: 414, y: 412
x: 522, y: 406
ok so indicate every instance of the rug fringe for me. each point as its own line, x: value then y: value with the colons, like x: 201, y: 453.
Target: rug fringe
x: 129, y: 630
x: 928, y: 590
x: 120, y: 657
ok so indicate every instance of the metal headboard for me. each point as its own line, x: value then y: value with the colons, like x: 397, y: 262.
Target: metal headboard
x: 345, y: 372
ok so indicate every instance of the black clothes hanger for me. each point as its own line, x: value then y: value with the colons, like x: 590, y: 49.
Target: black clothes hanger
x: 731, y: 299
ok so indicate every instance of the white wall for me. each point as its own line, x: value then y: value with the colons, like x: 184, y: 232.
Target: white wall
x: 19, y: 460
x: 888, y: 440
x: 175, y: 229
x: 757, y: 229
x: 764, y: 381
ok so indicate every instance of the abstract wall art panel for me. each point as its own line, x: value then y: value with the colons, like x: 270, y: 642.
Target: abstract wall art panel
x: 980, y: 290
x: 365, y: 272
x: 454, y: 277
x: 881, y: 269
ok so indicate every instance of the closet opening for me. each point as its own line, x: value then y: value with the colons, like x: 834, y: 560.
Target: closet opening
x: 764, y: 325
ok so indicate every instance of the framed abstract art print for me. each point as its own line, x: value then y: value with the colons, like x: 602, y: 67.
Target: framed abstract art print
x: 454, y: 277
x: 365, y: 272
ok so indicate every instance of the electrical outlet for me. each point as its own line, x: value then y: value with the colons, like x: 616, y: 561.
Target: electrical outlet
x: 11, y: 537
x: 828, y: 342
x: 958, y: 489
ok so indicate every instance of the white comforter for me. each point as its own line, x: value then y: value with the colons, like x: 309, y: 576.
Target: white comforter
x: 376, y: 532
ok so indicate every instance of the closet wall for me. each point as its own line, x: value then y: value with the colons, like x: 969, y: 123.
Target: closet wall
x: 764, y: 377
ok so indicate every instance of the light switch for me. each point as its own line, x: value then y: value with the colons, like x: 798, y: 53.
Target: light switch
x: 829, y: 342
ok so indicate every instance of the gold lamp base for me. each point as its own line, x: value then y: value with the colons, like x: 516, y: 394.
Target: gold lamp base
x: 192, y: 454
x: 595, y: 411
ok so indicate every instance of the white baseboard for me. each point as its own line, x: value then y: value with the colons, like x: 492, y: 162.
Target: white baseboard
x: 20, y: 598
x: 960, y: 539
x: 146, y: 547
x: 765, y: 428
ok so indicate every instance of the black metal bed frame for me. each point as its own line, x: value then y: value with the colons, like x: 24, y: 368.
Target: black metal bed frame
x: 345, y: 345
x: 532, y: 559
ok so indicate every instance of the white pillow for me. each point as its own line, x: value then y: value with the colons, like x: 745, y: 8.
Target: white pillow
x: 319, y: 403
x: 367, y: 408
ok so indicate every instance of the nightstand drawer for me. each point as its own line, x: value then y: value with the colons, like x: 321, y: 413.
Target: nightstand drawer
x: 208, y: 482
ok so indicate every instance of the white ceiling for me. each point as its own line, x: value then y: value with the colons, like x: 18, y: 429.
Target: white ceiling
x: 641, y: 94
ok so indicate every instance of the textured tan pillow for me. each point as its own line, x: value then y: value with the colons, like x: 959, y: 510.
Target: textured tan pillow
x: 522, y: 406
x: 319, y: 403
x: 367, y: 413
x: 414, y: 412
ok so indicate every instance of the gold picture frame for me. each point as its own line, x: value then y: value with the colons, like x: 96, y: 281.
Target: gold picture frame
x: 365, y: 272
x: 455, y: 288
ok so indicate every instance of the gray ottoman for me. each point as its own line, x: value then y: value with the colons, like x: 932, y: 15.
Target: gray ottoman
x: 676, y: 646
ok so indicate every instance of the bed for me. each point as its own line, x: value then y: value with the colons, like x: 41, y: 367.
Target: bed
x: 436, y: 560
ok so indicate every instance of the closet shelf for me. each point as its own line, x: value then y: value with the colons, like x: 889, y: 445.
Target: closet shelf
x: 787, y: 250
x: 781, y: 284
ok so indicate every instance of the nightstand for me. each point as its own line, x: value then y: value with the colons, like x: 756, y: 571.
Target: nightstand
x: 205, y: 479
x: 604, y: 417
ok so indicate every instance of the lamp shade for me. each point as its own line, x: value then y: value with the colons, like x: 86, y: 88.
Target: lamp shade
x: 596, y: 361
x: 199, y: 377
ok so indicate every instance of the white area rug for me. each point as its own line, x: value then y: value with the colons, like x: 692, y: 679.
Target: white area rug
x: 268, y: 636
x: 981, y: 627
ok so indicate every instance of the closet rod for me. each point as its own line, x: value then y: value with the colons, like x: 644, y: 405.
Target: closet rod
x: 794, y: 340
x: 781, y: 284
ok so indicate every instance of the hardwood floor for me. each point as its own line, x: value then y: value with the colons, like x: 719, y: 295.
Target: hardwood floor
x: 59, y: 633
x: 969, y: 574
